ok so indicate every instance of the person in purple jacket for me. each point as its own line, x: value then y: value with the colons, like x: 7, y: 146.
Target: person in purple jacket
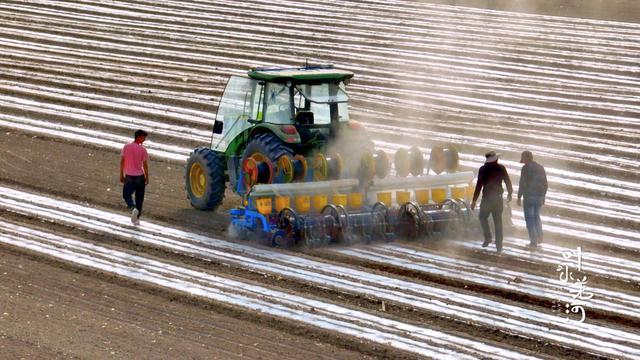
x: 490, y: 178
x: 533, y: 188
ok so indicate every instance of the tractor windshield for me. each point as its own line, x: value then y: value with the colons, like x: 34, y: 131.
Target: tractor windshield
x: 277, y: 104
x: 323, y: 93
x: 319, y: 98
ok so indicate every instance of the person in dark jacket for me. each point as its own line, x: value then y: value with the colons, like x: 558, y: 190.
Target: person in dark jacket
x: 490, y: 178
x: 533, y: 188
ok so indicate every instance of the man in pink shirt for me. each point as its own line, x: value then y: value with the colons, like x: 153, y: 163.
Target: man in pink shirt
x: 134, y: 174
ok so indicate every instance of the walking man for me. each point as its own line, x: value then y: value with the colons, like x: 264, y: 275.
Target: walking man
x: 533, y: 187
x: 490, y: 178
x: 134, y: 174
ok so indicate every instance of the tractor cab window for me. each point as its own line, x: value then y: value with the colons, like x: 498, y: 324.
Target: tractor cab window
x: 318, y: 100
x: 239, y: 103
x: 278, y: 104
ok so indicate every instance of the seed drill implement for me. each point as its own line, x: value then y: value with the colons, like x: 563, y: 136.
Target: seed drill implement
x: 308, y: 174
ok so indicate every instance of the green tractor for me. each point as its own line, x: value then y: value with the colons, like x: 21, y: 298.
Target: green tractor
x: 281, y: 125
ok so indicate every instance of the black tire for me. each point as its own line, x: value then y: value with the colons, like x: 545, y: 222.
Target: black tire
x: 270, y: 146
x: 209, y: 167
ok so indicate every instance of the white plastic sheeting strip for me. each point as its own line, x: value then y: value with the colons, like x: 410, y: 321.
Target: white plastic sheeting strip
x: 90, y: 136
x: 101, y: 118
x: 602, y: 265
x: 495, y: 277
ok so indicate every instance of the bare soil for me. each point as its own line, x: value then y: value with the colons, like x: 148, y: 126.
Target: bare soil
x: 48, y: 311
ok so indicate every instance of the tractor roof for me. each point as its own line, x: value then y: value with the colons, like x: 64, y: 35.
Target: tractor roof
x: 307, y: 74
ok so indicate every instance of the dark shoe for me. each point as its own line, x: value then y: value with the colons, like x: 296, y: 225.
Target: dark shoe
x: 532, y: 247
x: 486, y: 243
x: 499, y: 251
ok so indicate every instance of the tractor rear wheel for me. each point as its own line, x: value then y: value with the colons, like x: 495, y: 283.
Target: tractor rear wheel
x: 205, y: 179
x: 260, y: 159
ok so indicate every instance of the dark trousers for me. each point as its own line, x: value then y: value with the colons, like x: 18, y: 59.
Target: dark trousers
x: 492, y: 206
x: 531, y: 208
x: 134, y: 184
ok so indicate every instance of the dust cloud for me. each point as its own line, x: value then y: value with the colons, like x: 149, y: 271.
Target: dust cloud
x: 616, y: 10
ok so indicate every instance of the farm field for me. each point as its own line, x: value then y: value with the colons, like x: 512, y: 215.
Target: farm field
x: 78, y: 77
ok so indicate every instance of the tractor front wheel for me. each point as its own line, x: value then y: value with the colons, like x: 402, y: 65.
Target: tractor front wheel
x: 205, y: 179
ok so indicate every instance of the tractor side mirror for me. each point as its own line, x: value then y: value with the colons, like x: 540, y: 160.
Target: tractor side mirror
x: 304, y: 118
x: 217, y: 127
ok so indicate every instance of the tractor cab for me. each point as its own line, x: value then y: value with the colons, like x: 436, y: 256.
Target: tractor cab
x: 301, y: 106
